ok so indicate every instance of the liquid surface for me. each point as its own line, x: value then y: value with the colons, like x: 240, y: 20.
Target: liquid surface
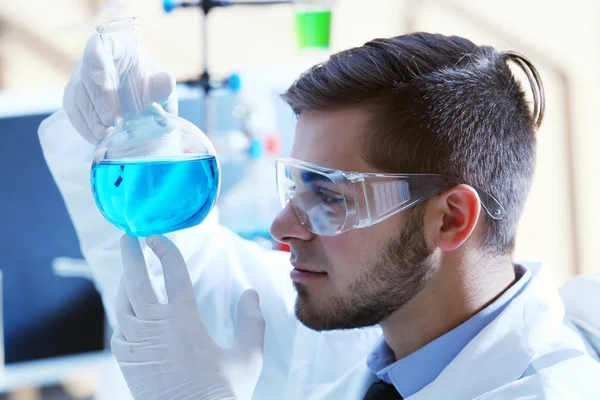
x: 155, y: 197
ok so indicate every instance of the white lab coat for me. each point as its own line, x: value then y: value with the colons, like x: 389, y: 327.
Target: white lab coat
x: 527, y: 352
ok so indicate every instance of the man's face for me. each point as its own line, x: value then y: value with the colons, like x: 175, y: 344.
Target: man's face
x: 361, y: 277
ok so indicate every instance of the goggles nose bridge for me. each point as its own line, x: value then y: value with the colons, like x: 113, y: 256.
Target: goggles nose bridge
x: 299, y: 209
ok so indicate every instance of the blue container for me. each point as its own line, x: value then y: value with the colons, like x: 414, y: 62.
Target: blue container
x: 155, y: 197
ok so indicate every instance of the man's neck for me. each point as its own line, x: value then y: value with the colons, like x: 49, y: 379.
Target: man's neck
x: 458, y: 290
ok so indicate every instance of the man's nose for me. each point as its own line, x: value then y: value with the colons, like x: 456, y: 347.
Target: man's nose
x: 287, y: 227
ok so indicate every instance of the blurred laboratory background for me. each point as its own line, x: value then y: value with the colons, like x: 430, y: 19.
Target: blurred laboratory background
x: 243, y: 56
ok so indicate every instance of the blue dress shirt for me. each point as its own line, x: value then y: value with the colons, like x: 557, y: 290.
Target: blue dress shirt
x: 417, y: 370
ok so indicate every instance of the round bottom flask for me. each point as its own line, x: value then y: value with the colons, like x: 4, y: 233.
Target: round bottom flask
x: 154, y: 172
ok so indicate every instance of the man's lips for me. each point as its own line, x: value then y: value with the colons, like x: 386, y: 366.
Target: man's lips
x: 306, y: 274
x: 305, y: 268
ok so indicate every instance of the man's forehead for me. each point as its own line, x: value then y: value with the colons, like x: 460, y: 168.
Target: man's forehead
x: 333, y: 138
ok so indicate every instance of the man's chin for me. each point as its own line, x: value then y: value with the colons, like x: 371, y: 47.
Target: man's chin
x: 328, y: 314
x: 313, y: 322
x: 308, y: 315
x: 316, y: 318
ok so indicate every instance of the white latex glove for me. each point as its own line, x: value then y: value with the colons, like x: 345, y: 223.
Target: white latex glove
x: 164, y: 350
x: 90, y: 99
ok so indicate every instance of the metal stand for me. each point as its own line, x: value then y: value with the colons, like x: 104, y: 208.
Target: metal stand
x: 204, y: 80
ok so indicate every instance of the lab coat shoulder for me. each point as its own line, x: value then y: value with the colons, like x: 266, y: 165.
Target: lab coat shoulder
x: 562, y: 369
x: 574, y: 378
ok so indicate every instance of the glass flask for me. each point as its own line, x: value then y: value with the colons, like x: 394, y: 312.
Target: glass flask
x: 154, y: 172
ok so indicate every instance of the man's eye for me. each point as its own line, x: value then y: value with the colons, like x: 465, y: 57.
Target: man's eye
x: 329, y: 197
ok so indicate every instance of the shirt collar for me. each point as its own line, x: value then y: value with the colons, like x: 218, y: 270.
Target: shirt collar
x: 412, y: 373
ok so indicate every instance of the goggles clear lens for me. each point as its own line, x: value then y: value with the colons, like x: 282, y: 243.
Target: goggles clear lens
x: 318, y: 201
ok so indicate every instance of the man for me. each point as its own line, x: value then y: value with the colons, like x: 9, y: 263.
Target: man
x: 412, y: 161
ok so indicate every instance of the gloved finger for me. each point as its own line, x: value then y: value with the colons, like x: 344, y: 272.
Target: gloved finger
x: 147, y: 351
x: 80, y: 124
x: 95, y: 126
x: 250, y: 334
x: 120, y: 347
x: 171, y: 105
x: 177, y: 279
x: 98, y: 76
x: 165, y: 86
x: 80, y: 108
x: 74, y: 94
x: 137, y: 281
x: 162, y: 86
x: 125, y: 314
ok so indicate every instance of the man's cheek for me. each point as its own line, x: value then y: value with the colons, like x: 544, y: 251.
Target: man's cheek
x: 336, y: 246
x: 353, y: 243
x: 343, y: 252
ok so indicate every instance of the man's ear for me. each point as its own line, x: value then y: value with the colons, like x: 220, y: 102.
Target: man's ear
x: 456, y: 214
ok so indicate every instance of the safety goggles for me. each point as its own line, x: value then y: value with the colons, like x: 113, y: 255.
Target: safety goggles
x: 329, y: 202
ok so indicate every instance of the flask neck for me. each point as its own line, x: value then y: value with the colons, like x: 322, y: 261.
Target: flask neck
x: 132, y: 75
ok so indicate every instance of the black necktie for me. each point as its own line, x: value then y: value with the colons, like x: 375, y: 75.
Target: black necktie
x: 382, y: 391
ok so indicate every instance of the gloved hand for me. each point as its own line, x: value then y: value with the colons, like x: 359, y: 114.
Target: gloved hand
x: 164, y: 350
x: 90, y: 99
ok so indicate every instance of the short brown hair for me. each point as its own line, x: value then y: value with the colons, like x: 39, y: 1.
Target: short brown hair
x: 440, y: 104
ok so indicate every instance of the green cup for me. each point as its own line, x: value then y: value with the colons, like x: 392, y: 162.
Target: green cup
x: 313, y: 27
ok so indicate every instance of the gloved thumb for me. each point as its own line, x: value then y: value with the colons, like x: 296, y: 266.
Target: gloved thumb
x: 250, y: 334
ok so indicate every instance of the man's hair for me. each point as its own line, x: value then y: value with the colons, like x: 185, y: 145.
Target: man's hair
x: 443, y: 105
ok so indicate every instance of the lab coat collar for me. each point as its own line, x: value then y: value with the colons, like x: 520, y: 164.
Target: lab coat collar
x: 502, y: 351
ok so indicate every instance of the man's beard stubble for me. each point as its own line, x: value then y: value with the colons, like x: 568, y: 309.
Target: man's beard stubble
x: 399, y: 274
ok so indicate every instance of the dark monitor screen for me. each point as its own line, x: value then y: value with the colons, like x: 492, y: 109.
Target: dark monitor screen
x: 44, y: 315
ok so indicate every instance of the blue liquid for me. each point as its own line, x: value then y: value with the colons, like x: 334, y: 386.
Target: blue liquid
x: 155, y: 197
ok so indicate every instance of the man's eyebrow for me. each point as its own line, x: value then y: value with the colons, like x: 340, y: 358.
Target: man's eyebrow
x: 311, y: 177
